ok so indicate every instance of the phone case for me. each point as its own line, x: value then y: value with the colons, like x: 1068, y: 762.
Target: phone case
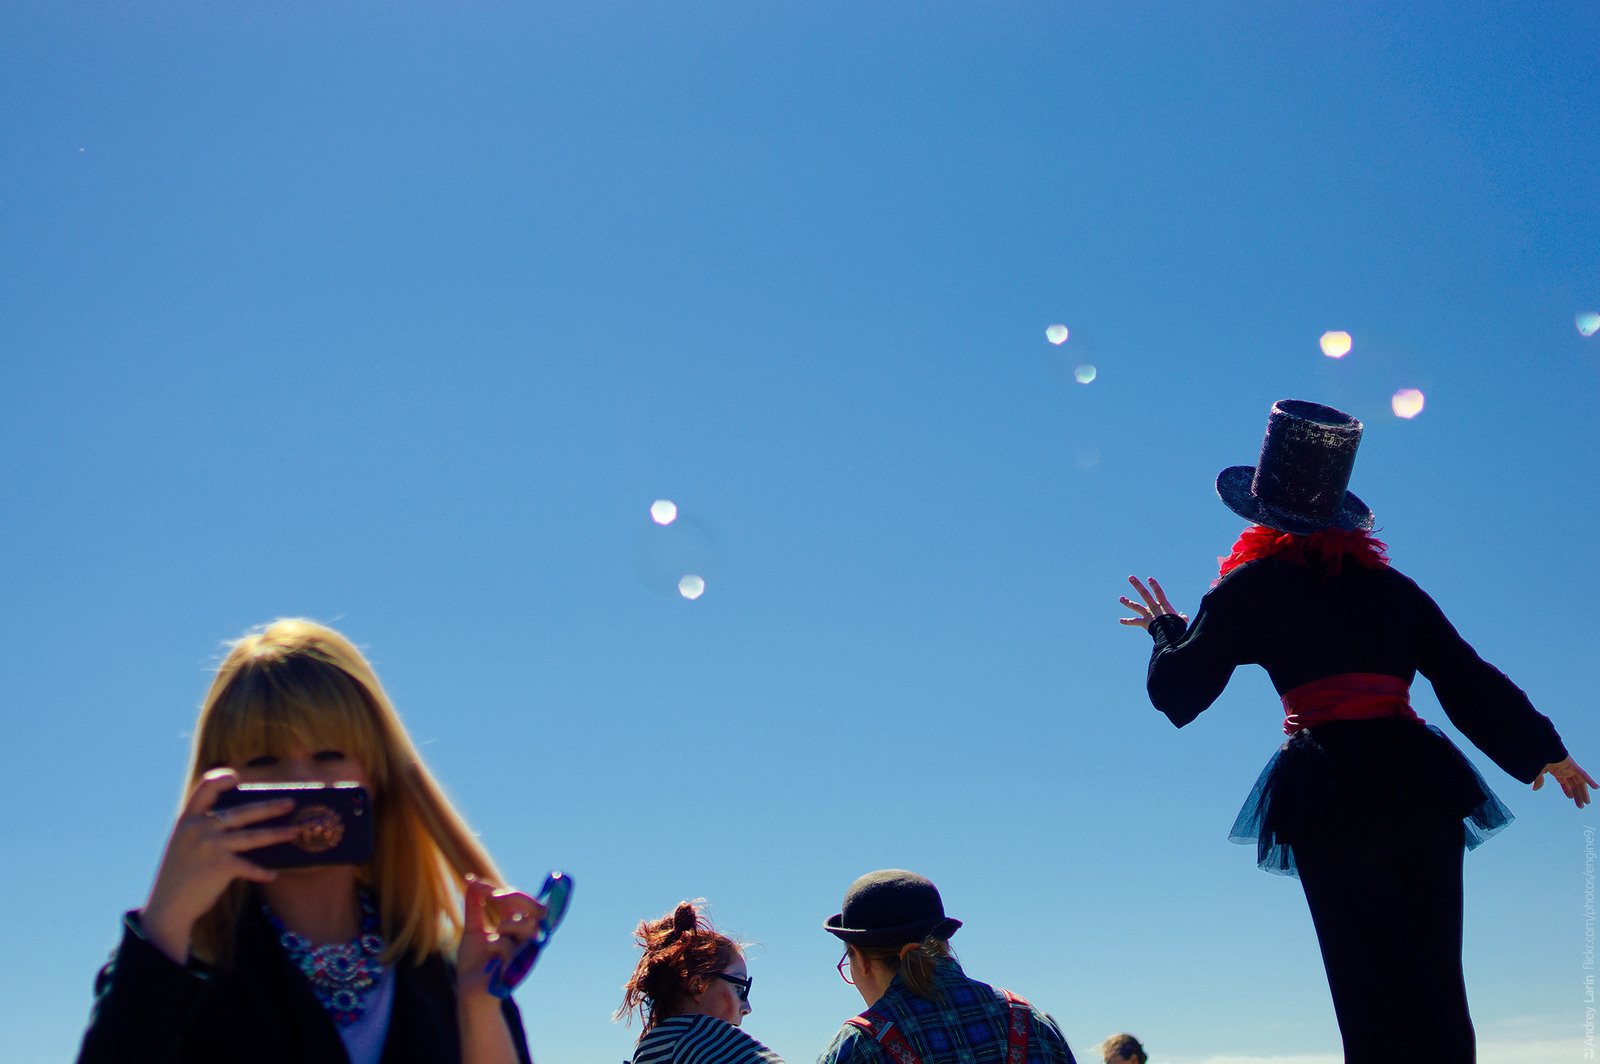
x: 335, y: 823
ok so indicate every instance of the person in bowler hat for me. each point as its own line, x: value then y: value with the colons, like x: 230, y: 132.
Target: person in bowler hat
x: 1370, y: 807
x: 921, y: 1007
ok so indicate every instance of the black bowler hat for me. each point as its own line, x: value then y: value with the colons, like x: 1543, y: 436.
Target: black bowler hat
x: 1299, y: 483
x: 889, y: 908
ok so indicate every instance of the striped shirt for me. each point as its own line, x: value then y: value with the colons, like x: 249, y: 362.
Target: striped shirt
x: 700, y: 1040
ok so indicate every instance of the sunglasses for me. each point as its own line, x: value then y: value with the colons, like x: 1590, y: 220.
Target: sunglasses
x: 740, y: 986
x: 554, y: 895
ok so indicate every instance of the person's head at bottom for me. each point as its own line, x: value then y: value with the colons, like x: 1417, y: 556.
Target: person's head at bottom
x: 892, y: 923
x: 1123, y: 1049
x: 688, y: 968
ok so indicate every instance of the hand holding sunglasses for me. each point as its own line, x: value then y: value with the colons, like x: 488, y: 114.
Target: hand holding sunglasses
x: 505, y: 976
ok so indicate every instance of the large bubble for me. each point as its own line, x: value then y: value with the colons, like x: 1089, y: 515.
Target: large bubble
x: 1407, y: 403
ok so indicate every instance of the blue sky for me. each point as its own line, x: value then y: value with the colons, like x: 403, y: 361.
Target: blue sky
x: 400, y: 316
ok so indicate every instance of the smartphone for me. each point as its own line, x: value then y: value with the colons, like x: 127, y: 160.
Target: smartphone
x: 335, y: 821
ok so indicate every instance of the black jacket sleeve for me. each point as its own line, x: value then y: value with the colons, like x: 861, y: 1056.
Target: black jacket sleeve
x: 143, y: 1002
x: 1482, y: 702
x: 1191, y: 664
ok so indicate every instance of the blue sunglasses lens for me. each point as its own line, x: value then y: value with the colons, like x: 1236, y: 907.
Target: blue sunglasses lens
x: 554, y: 895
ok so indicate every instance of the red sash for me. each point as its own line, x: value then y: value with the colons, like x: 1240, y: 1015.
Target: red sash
x: 1347, y: 696
x: 895, y: 1046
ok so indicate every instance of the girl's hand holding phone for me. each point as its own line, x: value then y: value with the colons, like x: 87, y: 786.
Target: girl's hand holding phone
x: 202, y: 859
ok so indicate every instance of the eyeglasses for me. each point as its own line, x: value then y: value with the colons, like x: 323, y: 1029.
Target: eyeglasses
x: 554, y: 895
x: 842, y: 973
x: 740, y: 986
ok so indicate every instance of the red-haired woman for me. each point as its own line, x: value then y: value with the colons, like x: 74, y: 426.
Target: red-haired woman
x: 692, y: 991
x: 1367, y: 805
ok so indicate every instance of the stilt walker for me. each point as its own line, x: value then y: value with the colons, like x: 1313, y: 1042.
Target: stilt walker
x: 1371, y: 808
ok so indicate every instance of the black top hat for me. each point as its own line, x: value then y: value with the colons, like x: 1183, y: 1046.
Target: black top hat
x: 889, y: 908
x: 1299, y: 483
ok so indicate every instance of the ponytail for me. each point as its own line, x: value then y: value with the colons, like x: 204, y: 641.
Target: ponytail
x: 916, y: 963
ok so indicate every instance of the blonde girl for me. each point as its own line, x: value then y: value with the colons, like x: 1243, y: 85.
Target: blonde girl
x: 385, y: 961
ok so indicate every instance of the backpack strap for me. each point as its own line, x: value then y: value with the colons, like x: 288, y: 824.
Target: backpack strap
x: 1017, y: 1032
x: 882, y: 1030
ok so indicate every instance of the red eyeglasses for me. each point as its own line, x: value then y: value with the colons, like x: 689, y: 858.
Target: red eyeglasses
x: 842, y: 974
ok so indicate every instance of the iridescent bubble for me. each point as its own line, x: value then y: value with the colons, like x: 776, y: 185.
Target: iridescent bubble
x: 1335, y: 344
x: 1084, y: 374
x: 1588, y: 323
x: 1056, y: 334
x: 663, y: 511
x: 1407, y: 403
x: 691, y: 587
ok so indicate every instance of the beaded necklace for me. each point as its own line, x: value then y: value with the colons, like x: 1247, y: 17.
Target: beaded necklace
x: 341, y: 974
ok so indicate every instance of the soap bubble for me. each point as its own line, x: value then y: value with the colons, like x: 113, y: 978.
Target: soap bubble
x: 1084, y: 374
x: 663, y: 511
x: 1407, y: 403
x: 1588, y: 323
x: 691, y: 587
x: 1335, y: 344
x: 664, y: 553
x: 1056, y: 334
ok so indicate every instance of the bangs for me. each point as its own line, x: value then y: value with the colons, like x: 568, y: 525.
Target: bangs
x: 295, y: 683
x: 274, y: 702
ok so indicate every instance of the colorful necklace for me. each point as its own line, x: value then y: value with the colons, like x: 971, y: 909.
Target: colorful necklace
x: 341, y: 974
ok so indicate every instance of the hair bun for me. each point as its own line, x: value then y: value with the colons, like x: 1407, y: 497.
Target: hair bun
x: 682, y: 951
x: 684, y: 918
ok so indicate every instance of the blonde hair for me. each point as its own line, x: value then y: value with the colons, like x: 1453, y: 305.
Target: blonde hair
x: 916, y: 963
x: 295, y: 682
x: 1111, y: 1050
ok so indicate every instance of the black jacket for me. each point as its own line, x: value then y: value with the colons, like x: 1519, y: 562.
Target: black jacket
x: 149, y: 1010
x: 1301, y: 625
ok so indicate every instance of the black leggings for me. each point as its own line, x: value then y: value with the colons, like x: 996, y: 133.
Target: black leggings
x: 1387, y: 907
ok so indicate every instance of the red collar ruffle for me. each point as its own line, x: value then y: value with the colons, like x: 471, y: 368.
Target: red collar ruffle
x: 1333, y: 544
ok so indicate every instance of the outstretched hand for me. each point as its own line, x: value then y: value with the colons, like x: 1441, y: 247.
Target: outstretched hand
x: 1575, y: 782
x: 1155, y: 605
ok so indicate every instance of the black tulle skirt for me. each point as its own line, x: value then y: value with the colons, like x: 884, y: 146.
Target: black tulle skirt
x: 1346, y: 775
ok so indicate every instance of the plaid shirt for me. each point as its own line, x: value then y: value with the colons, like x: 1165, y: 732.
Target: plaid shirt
x: 967, y: 1027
